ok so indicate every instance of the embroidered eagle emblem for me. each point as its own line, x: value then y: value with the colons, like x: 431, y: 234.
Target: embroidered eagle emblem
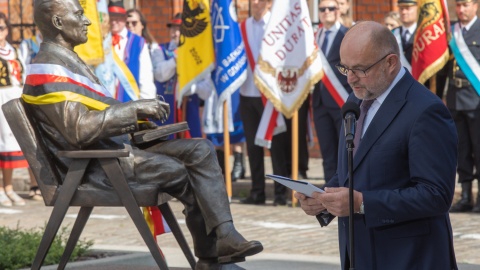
x: 287, y: 79
x: 429, y: 14
x: 194, y: 20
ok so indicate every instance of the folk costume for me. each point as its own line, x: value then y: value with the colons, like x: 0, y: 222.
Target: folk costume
x: 11, y: 72
x: 133, y: 51
x: 165, y: 73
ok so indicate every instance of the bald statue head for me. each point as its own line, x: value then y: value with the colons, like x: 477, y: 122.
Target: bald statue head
x: 61, y: 22
x: 370, y: 55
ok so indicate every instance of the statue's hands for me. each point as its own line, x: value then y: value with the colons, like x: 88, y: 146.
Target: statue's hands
x: 152, y: 108
x: 147, y: 125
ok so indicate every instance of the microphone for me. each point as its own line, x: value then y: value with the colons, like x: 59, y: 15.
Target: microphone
x: 350, y: 112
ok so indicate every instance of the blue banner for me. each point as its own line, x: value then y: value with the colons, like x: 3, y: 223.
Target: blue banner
x: 231, y: 68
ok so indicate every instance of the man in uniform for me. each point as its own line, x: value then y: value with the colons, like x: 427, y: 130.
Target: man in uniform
x: 463, y: 99
x: 76, y: 113
x: 406, y: 33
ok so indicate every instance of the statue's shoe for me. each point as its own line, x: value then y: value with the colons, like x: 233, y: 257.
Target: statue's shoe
x: 234, y: 248
x: 214, y: 265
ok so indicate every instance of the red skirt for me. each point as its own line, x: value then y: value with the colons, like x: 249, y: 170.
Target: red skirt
x: 12, y: 160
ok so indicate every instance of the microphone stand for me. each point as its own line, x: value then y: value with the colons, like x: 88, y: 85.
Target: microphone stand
x: 350, y: 146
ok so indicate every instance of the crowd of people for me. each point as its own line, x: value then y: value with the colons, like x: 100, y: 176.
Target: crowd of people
x: 153, y: 65
x: 409, y: 144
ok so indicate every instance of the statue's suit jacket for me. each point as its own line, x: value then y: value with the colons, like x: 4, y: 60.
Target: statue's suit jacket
x: 58, y: 122
x: 405, y: 168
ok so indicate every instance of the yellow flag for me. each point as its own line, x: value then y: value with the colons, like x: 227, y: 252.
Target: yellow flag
x: 92, y: 51
x: 195, y: 58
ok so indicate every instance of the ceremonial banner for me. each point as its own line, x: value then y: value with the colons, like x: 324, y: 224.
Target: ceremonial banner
x: 430, y: 47
x: 231, y: 63
x: 92, y: 51
x: 271, y: 122
x: 195, y: 58
x: 289, y: 64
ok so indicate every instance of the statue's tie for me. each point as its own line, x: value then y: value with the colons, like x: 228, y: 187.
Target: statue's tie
x: 361, y: 120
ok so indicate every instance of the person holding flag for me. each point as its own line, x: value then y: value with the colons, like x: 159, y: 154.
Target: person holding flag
x: 164, y: 59
x: 286, y: 67
x: 229, y: 74
x: 251, y: 103
x: 131, y: 56
x: 330, y: 93
x: 405, y: 34
x: 463, y: 99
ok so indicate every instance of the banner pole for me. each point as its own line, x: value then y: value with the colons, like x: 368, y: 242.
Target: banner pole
x: 294, y: 152
x: 226, y: 150
x: 183, y: 134
x: 433, y: 84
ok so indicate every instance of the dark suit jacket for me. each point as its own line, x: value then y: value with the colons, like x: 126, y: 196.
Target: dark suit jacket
x: 405, y: 168
x: 408, y: 47
x: 321, y: 96
x: 465, y: 98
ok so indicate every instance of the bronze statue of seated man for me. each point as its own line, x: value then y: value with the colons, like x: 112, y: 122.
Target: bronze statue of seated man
x: 73, y: 111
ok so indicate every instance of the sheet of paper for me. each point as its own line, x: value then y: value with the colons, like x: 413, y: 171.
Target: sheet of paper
x: 297, y: 185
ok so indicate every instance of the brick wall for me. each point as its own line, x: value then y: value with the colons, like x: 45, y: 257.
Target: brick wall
x: 4, y: 6
x: 374, y: 10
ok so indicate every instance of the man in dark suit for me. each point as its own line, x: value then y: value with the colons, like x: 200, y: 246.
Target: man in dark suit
x: 326, y: 109
x: 464, y: 102
x: 72, y: 111
x: 405, y: 34
x: 404, y: 167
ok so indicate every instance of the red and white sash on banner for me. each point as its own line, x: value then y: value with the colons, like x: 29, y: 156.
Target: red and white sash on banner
x: 272, y: 122
x: 330, y: 80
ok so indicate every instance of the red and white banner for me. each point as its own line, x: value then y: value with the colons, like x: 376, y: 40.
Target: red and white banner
x: 289, y: 64
x: 271, y: 123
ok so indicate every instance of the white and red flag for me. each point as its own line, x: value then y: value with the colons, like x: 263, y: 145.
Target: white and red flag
x: 289, y: 63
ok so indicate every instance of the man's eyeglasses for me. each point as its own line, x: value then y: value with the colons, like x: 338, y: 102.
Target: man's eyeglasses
x: 133, y: 23
x: 331, y: 9
x: 361, y: 73
x: 3, y: 28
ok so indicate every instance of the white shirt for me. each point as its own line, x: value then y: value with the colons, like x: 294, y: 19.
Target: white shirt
x: 164, y: 70
x: 379, y: 101
x: 333, y: 32
x: 469, y: 25
x: 248, y: 88
x: 410, y: 29
x: 145, y: 80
